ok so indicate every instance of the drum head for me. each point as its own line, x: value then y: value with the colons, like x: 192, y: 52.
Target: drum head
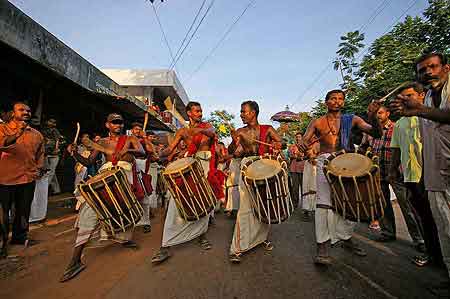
x: 179, y: 165
x: 263, y: 169
x: 102, y: 175
x: 350, y: 165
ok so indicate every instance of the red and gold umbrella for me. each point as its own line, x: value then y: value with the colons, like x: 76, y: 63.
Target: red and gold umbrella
x: 285, y: 116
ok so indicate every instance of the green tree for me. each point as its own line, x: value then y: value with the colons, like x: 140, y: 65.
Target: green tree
x: 345, y: 62
x: 221, y: 121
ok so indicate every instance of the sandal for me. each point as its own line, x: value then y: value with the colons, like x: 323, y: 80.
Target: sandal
x: 421, y: 260
x: 268, y: 245
x: 375, y: 226
x: 323, y: 260
x: 147, y: 229
x: 204, y: 244
x: 235, y: 258
x: 130, y: 244
x: 72, y: 272
x: 160, y: 257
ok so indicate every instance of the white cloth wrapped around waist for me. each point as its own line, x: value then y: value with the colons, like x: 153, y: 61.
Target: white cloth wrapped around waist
x: 126, y: 166
x: 176, y: 229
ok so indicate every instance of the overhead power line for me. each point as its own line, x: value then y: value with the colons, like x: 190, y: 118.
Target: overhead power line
x: 222, y: 39
x: 404, y: 12
x: 189, y: 30
x: 163, y: 32
x: 378, y: 10
x: 193, y: 34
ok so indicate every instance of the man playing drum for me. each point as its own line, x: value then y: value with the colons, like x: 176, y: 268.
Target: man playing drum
x: 252, y: 140
x: 333, y: 132
x: 146, y: 165
x: 119, y: 150
x: 200, y: 140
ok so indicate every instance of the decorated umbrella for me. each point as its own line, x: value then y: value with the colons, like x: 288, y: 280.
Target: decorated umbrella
x: 285, y: 116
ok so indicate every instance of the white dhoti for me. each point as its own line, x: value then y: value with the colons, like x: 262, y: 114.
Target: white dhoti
x: 232, y: 185
x: 145, y: 202
x: 38, y: 209
x: 176, y: 229
x: 440, y: 208
x: 248, y: 231
x: 329, y: 225
x: 89, y: 228
x: 309, y: 189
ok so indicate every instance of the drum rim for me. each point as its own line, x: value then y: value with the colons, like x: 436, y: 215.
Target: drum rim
x: 181, y: 169
x: 259, y: 178
x: 372, y: 170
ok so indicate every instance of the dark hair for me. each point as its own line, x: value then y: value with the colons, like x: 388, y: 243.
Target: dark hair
x: 425, y: 56
x: 191, y: 104
x: 18, y: 103
x: 298, y: 133
x: 221, y: 143
x: 334, y: 91
x: 418, y: 87
x: 136, y: 124
x: 253, y: 105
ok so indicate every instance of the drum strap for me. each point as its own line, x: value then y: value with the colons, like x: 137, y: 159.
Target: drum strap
x: 119, y: 146
x: 216, y: 178
x: 262, y: 137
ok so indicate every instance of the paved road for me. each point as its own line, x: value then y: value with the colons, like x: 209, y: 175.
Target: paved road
x: 286, y: 272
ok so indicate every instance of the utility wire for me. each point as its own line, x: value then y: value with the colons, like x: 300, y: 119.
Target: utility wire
x: 224, y: 36
x: 163, y: 33
x: 193, y: 34
x: 378, y: 10
x: 404, y: 12
x: 189, y: 30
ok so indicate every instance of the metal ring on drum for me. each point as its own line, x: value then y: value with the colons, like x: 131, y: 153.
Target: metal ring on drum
x: 265, y: 178
x: 355, y: 185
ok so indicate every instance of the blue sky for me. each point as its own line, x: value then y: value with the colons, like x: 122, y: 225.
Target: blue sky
x: 273, y: 54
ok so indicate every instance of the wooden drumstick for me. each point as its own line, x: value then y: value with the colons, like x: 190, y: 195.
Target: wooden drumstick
x: 77, y: 134
x: 263, y: 143
x: 145, y: 122
x: 89, y: 143
x: 383, y: 99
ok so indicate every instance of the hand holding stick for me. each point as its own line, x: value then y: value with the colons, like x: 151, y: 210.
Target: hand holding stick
x: 77, y: 134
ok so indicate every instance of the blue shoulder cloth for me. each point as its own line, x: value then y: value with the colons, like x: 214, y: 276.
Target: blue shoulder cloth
x: 346, y: 131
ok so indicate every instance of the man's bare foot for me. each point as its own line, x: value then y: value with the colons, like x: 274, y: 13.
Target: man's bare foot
x: 322, y: 257
x: 72, y: 271
x: 160, y: 256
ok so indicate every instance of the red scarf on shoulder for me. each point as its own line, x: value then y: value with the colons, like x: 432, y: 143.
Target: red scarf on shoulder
x: 216, y: 178
x: 136, y: 186
x: 262, y: 149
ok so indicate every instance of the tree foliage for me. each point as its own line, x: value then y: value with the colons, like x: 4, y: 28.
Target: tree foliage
x: 390, y: 58
x: 221, y: 120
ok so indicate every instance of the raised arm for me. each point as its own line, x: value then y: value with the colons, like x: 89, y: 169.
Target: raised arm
x: 308, y: 137
x: 406, y: 107
x: 372, y: 128
x: 136, y: 148
x: 178, y: 137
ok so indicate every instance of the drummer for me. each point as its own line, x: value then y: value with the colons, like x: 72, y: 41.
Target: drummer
x: 200, y: 138
x: 249, y: 232
x: 333, y: 133
x: 145, y: 166
x: 119, y: 150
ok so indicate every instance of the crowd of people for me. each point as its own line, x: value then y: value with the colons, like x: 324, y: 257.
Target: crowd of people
x: 413, y: 160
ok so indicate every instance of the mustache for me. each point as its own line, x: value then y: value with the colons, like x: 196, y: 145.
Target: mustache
x: 428, y: 78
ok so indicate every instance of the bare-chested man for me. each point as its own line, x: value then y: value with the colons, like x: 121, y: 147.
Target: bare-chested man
x: 252, y: 140
x: 145, y: 166
x: 333, y: 132
x: 119, y: 150
x: 199, y: 138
